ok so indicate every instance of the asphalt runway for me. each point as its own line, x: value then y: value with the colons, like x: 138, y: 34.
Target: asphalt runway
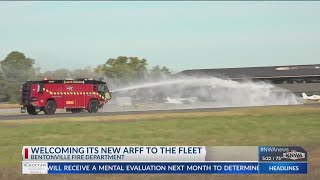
x: 86, y: 114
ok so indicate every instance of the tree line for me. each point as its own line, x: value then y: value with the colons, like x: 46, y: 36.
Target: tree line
x: 17, y: 68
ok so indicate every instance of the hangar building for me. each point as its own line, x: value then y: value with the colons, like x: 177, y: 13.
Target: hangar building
x: 296, y: 78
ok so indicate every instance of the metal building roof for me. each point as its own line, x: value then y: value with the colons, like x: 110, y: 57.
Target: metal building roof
x: 258, y: 72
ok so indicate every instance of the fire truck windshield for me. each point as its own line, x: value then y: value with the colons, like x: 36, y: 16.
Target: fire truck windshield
x: 106, y: 90
x: 107, y: 93
x: 103, y: 89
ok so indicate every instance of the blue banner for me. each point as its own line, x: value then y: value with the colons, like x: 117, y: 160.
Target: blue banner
x: 176, y: 168
x: 152, y: 168
x: 283, y: 168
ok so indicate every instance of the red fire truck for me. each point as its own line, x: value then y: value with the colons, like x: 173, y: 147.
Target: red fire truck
x: 73, y: 95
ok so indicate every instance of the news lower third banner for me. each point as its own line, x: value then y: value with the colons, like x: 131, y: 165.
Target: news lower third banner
x: 163, y: 160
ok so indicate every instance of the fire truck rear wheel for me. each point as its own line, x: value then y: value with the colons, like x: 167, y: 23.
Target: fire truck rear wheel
x: 31, y: 110
x: 50, y: 107
x: 93, y: 106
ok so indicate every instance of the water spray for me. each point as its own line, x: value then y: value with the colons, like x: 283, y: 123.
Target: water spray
x: 215, y: 92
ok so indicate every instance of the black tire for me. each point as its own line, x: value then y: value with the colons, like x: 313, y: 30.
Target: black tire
x: 50, y: 107
x: 31, y: 110
x: 93, y: 106
x: 76, y: 110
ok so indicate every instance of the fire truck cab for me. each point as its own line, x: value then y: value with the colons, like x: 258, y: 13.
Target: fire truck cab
x: 73, y: 95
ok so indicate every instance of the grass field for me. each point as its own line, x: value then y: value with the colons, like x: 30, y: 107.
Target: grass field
x: 252, y: 126
x: 8, y: 106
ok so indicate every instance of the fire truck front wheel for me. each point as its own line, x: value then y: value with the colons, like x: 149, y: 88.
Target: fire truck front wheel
x: 50, y: 107
x: 31, y: 110
x: 93, y: 106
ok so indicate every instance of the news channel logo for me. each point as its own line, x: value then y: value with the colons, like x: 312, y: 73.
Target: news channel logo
x: 282, y: 153
x: 294, y: 155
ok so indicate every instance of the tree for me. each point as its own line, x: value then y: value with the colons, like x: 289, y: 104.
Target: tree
x: 16, y: 66
x: 125, y: 69
x: 3, y: 87
x: 159, y: 73
x: 16, y: 69
x: 87, y: 72
x: 57, y: 74
x: 84, y: 73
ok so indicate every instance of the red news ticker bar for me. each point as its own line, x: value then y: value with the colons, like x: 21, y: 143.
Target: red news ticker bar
x: 26, y: 153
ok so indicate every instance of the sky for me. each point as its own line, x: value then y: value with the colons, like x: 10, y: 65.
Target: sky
x: 179, y: 35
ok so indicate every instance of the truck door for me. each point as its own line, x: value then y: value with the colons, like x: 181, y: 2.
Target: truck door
x: 79, y: 96
x: 89, y: 90
x: 69, y: 101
